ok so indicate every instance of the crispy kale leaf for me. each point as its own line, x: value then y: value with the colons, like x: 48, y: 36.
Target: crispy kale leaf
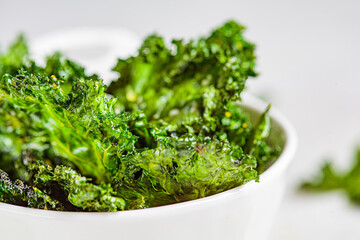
x: 16, y: 58
x: 187, y: 81
x: 80, y: 128
x: 79, y: 190
x: 16, y: 192
x: 330, y: 179
x: 186, y: 172
x: 56, y: 65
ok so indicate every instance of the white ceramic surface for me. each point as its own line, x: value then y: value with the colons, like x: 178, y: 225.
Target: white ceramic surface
x: 246, y: 212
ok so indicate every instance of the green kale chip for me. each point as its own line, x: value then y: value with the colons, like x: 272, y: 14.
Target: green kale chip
x: 187, y: 81
x: 80, y: 128
x: 79, y: 190
x: 329, y: 179
x: 16, y: 192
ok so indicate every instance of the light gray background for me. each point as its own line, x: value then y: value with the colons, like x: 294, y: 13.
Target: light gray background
x: 308, y: 55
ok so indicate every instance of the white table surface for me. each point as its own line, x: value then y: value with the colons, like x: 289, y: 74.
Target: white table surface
x: 309, y: 60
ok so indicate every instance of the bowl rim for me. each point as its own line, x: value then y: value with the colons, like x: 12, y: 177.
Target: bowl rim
x: 274, y: 170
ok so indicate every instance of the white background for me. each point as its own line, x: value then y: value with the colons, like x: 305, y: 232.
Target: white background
x: 309, y: 60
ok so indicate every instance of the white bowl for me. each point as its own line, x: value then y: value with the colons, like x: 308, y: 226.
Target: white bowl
x: 97, y: 49
x: 246, y: 212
